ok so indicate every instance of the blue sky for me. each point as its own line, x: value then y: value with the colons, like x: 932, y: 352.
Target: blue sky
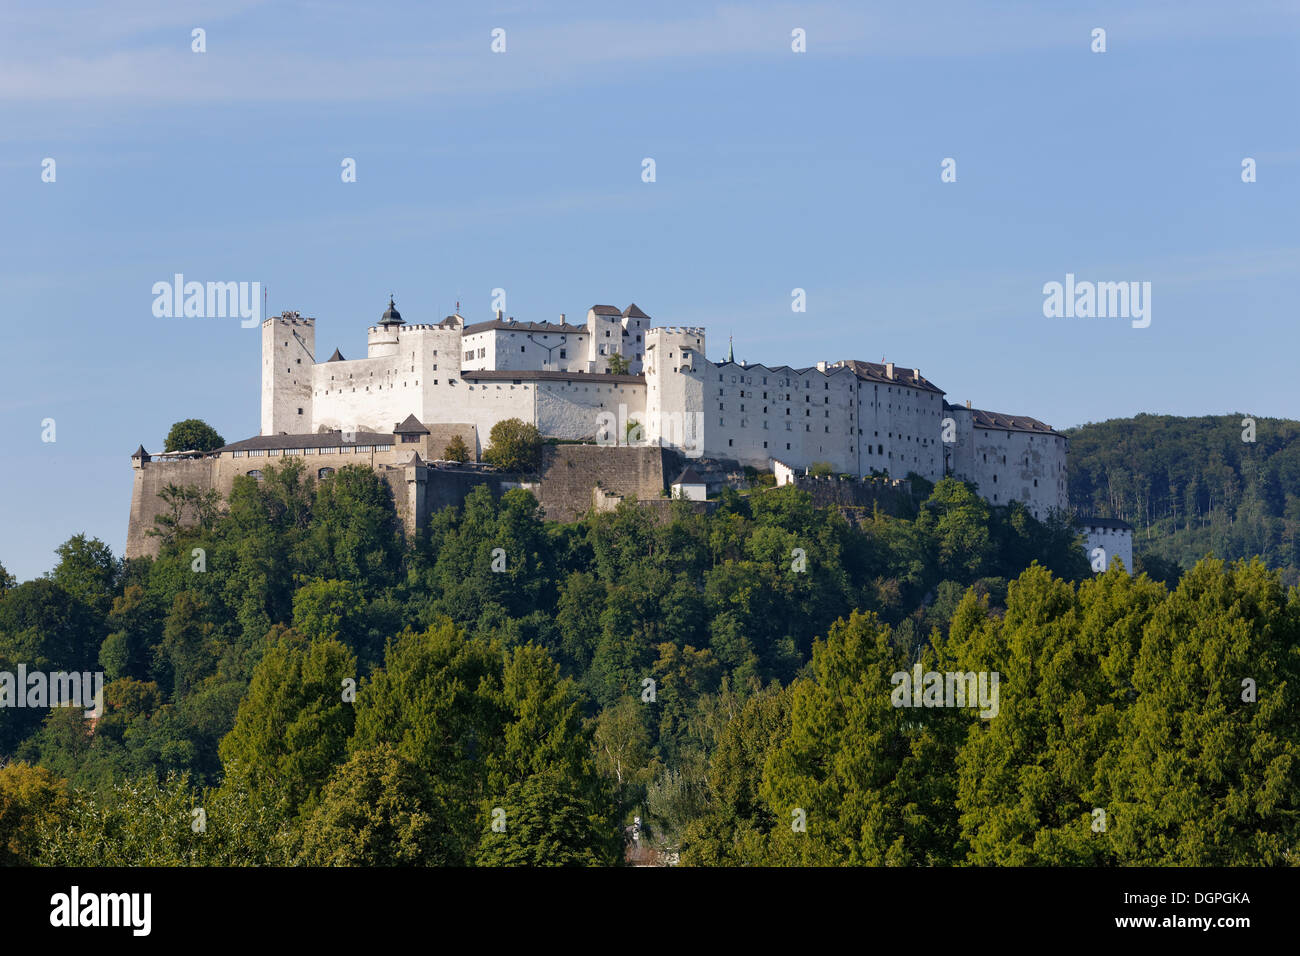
x: 522, y: 170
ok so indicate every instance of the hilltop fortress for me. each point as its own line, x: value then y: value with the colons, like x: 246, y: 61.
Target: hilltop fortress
x: 616, y: 380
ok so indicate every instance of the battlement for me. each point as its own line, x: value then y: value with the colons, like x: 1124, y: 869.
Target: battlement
x: 288, y: 318
x: 405, y: 329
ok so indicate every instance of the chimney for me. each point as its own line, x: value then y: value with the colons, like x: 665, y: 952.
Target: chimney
x: 561, y: 318
x: 917, y: 373
x: 821, y: 366
x: 968, y: 403
x: 889, y: 370
x: 499, y: 314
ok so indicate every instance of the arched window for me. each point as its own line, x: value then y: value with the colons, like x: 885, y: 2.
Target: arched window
x: 255, y: 473
x: 324, y: 472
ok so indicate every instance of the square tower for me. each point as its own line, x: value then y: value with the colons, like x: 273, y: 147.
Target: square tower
x: 605, y: 328
x: 288, y: 355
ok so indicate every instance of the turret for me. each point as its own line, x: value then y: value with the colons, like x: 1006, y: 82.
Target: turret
x: 383, y: 337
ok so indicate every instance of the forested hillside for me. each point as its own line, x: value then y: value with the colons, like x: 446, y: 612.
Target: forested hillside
x: 294, y: 682
x: 1192, y: 486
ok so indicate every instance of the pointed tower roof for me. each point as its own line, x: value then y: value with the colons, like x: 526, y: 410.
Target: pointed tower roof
x: 633, y: 312
x: 336, y: 357
x: 731, y: 353
x: 411, y: 426
x: 391, y: 315
x: 140, y: 453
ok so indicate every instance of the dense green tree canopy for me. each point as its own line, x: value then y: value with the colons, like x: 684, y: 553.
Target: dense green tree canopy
x: 503, y: 690
x: 293, y: 725
x: 193, y: 434
x: 1227, y: 484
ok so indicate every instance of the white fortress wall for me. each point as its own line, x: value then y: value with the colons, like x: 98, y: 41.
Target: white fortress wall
x: 524, y: 349
x: 369, y: 394
x: 857, y: 416
x: 478, y: 351
x: 756, y: 413
x: 381, y: 390
x: 571, y: 410
x: 901, y: 428
x: 1012, y: 464
x: 483, y: 404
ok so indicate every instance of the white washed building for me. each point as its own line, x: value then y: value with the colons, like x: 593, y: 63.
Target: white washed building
x: 858, y: 417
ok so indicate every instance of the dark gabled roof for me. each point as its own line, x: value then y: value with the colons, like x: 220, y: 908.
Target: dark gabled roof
x: 980, y: 418
x: 140, y: 453
x: 1012, y: 423
x: 309, y: 440
x: 532, y: 375
x: 605, y: 310
x: 410, y: 426
x: 632, y: 312
x: 564, y: 327
x: 876, y: 372
x: 1094, y: 521
x: 689, y: 476
x: 759, y: 366
x: 336, y: 357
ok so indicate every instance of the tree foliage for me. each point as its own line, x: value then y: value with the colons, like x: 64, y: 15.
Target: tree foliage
x: 503, y: 690
x: 516, y: 445
x: 193, y: 434
x: 1226, y: 484
x: 456, y: 449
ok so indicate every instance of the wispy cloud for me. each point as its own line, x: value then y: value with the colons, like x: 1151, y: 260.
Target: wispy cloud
x: 139, y: 51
